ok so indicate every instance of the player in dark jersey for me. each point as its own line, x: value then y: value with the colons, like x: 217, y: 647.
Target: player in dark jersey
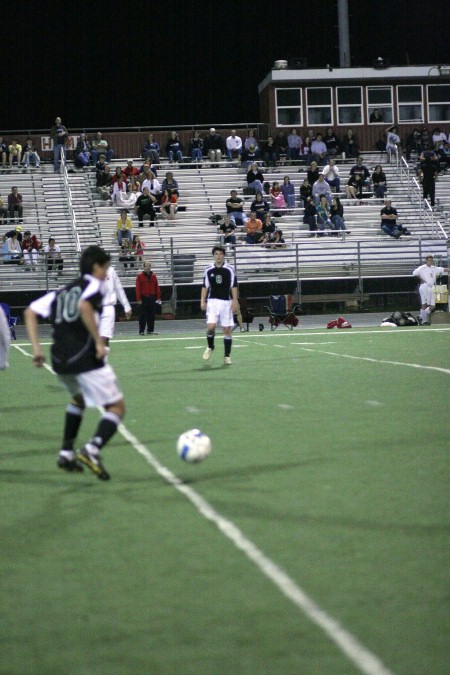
x: 219, y: 299
x: 78, y: 354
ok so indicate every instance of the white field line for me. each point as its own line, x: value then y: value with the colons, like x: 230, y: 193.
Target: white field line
x: 371, y: 360
x: 357, y: 653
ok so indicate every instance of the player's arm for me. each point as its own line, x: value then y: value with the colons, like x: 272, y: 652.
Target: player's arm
x: 122, y: 297
x: 32, y: 326
x: 203, y: 296
x: 88, y: 317
x: 234, y: 299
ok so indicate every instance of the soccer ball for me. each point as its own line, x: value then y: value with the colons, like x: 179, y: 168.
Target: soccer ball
x: 193, y: 446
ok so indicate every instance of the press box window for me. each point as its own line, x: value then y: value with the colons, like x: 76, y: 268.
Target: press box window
x: 410, y: 104
x: 319, y: 106
x: 439, y: 103
x: 289, y: 107
x: 349, y: 101
x: 379, y: 98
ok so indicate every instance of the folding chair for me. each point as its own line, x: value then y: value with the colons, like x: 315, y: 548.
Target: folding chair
x: 282, y: 312
x: 247, y: 314
x: 12, y: 320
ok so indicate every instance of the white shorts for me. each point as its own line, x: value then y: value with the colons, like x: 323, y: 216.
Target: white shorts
x: 219, y: 311
x: 99, y: 387
x: 426, y: 295
x: 107, y: 321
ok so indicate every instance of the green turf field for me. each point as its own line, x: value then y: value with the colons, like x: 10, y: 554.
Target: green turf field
x: 313, y: 541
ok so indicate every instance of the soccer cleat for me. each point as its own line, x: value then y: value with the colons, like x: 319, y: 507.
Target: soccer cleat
x: 71, y: 465
x: 93, y: 463
x: 227, y: 361
x: 207, y: 354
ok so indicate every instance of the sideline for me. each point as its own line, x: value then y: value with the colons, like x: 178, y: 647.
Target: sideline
x: 367, y: 662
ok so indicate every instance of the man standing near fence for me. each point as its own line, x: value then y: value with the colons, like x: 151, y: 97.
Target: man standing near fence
x: 219, y: 300
x: 148, y: 295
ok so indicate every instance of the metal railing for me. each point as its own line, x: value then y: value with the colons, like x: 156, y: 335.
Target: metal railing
x: 72, y: 214
x: 414, y: 190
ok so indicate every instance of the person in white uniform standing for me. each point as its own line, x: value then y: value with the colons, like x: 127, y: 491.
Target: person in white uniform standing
x: 113, y: 292
x: 427, y: 275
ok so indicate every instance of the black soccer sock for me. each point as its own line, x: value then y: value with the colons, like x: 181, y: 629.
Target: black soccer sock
x: 227, y: 344
x: 210, y: 338
x: 74, y: 417
x: 106, y: 429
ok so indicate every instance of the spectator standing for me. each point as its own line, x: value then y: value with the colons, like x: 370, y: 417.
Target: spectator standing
x: 15, y: 204
x: 392, y: 143
x: 138, y: 247
x: 148, y: 294
x: 59, y: 136
x: 428, y: 173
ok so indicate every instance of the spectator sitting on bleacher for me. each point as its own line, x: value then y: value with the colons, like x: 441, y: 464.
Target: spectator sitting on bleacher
x: 253, y: 230
x: 196, y: 147
x: 228, y: 230
x: 255, y: 178
x: 309, y: 216
x: 270, y: 152
x: 312, y: 173
x: 3, y: 212
x: 295, y: 143
x: 174, y: 149
x: 134, y: 186
x: 124, y: 227
x: 30, y: 248
x: 53, y: 256
x: 234, y: 146
x: 389, y: 221
x: 214, y: 146
x: 82, y: 152
x: 379, y: 182
x: 235, y: 208
x: 281, y: 144
x: 151, y: 149
x: 305, y: 191
x: 249, y: 156
x: 15, y: 153
x: 332, y: 142
x: 438, y: 137
x: 100, y: 147
x: 119, y: 191
x: 444, y: 155
x: 321, y: 189
x: 104, y: 182
x: 331, y: 173
x: 337, y: 215
x: 130, y: 170
x: 138, y: 246
x: 119, y: 175
x: 15, y: 204
x: 100, y: 165
x: 251, y: 147
x: 288, y: 191
x: 153, y: 185
x: 350, y: 144
x: 306, y: 150
x: 169, y: 206
x: 413, y: 143
x: 12, y: 250
x: 362, y: 170
x: 275, y: 240
x: 170, y: 183
x: 353, y: 189
x: 276, y: 199
x: 145, y: 205
x: 319, y: 150
x: 324, y: 216
x: 260, y: 206
x: 30, y: 154
x: 3, y: 151
x: 126, y: 255
x: 268, y: 226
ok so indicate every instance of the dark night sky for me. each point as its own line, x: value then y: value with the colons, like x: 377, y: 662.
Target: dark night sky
x: 118, y: 64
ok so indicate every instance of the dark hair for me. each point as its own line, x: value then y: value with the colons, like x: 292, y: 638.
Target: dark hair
x: 92, y: 255
x: 218, y: 248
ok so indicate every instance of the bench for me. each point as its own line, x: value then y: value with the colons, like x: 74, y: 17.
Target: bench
x: 355, y: 299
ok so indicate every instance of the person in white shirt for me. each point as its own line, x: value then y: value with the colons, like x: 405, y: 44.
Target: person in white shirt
x: 331, y: 173
x: 113, y: 291
x: 427, y: 275
x: 392, y: 142
x: 53, y: 256
x: 153, y: 185
x: 234, y: 146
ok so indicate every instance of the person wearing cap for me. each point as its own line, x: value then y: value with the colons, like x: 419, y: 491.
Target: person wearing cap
x: 130, y: 170
x: 214, y: 146
x: 427, y: 276
x: 15, y: 204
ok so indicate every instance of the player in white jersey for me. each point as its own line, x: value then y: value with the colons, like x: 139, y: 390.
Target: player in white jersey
x: 5, y: 340
x: 112, y: 292
x: 427, y: 274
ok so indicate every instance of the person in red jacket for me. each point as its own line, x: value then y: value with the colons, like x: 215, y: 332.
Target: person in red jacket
x: 148, y: 295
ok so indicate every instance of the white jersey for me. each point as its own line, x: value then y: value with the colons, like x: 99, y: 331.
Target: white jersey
x: 5, y: 339
x: 428, y: 274
x: 113, y: 291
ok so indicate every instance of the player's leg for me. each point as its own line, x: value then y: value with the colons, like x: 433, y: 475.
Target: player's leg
x: 101, y: 389
x: 227, y: 321
x: 67, y: 458
x: 210, y: 335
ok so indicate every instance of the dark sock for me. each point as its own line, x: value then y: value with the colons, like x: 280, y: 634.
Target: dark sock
x: 74, y: 417
x: 210, y: 338
x: 106, y: 429
x: 227, y: 344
